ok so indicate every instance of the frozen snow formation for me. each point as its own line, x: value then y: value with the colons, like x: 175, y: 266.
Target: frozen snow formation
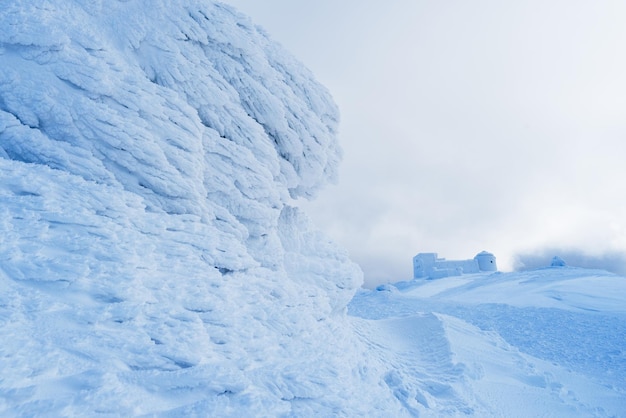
x: 557, y: 262
x: 150, y: 261
x: 428, y: 265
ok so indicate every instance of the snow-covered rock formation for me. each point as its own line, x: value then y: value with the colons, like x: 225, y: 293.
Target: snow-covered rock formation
x: 150, y: 260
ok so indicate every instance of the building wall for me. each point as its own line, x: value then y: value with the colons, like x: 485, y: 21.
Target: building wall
x: 465, y: 266
x: 428, y: 265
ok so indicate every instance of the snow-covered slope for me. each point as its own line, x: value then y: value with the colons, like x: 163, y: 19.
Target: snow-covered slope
x: 150, y: 261
x: 549, y: 342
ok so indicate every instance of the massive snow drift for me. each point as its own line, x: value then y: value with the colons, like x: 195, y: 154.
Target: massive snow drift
x: 150, y: 260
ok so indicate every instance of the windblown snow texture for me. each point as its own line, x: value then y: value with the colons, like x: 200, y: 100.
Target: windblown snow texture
x: 150, y: 261
x: 547, y: 342
x: 152, y: 264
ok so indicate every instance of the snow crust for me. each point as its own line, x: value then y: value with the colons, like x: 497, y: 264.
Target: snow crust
x: 151, y: 261
x: 548, y: 342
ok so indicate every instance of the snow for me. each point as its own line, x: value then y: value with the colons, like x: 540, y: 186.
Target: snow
x: 151, y: 259
x: 153, y: 262
x: 548, y: 342
x: 558, y: 262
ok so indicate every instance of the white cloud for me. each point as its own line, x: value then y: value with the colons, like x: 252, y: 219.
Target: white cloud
x: 467, y: 126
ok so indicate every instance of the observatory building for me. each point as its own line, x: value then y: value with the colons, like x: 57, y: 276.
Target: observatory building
x: 429, y: 266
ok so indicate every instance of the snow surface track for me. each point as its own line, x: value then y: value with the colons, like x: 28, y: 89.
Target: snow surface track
x: 528, y: 355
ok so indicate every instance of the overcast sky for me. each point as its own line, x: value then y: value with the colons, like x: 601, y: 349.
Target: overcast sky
x: 467, y: 125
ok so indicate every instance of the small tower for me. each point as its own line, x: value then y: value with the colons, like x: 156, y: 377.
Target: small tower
x: 486, y: 261
x: 423, y: 264
x: 557, y: 262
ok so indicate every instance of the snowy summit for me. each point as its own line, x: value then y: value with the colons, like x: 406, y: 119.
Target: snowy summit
x: 153, y: 262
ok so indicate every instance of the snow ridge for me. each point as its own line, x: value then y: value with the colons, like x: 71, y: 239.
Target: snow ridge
x: 151, y: 262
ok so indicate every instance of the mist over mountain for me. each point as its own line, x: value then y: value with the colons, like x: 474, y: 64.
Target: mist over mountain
x: 614, y: 261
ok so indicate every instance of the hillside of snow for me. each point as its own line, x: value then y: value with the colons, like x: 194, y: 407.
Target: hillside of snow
x: 153, y: 262
x: 547, y: 342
